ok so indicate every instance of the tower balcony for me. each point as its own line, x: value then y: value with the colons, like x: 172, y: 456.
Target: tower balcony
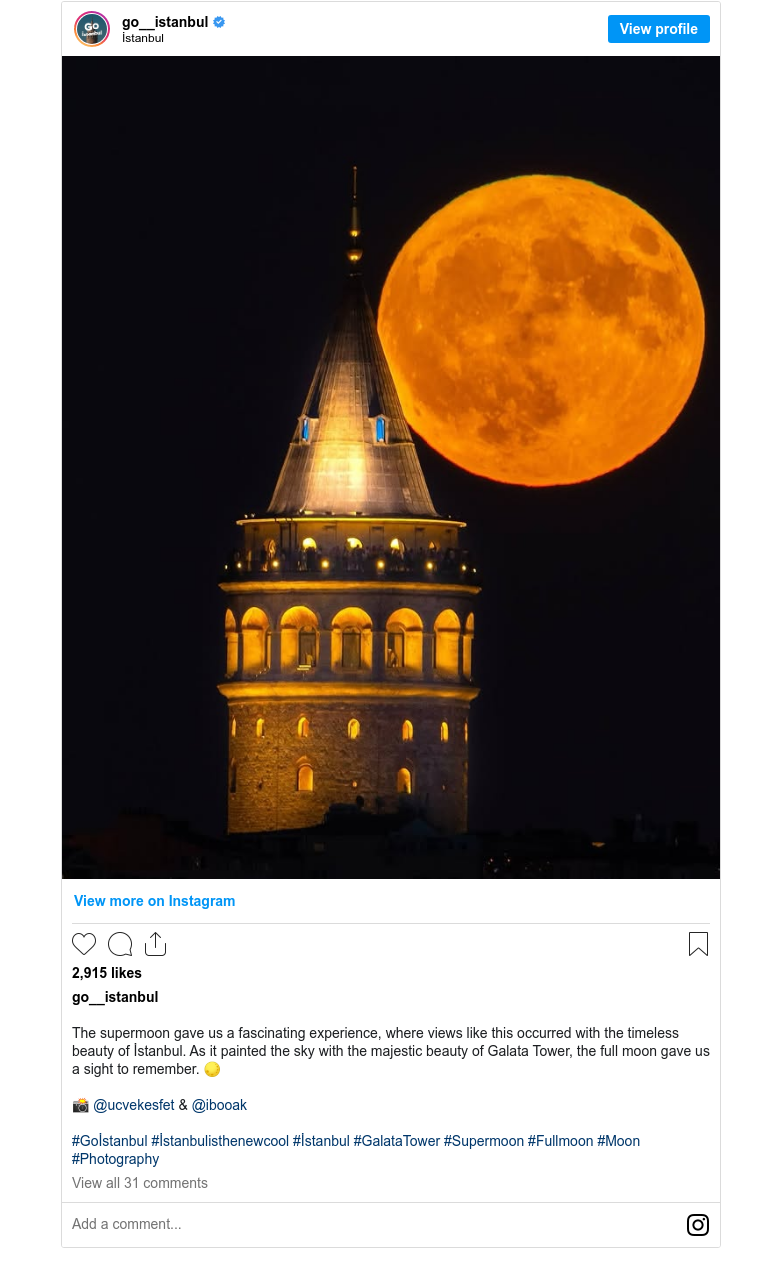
x: 434, y: 566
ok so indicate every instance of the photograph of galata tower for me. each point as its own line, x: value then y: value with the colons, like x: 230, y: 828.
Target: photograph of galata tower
x: 350, y: 610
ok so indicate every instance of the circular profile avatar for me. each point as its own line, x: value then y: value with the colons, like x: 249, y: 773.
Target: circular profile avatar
x: 91, y: 28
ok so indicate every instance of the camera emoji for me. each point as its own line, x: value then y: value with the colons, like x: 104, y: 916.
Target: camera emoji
x: 697, y: 1224
x: 81, y: 1105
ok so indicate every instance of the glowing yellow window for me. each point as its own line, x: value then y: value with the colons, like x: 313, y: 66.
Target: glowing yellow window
x: 404, y: 783
x: 407, y: 729
x: 305, y: 779
x: 303, y: 727
x: 232, y: 645
x: 259, y: 728
x: 233, y: 726
x: 444, y: 732
x: 354, y: 729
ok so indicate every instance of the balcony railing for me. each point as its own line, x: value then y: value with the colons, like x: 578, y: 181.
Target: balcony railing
x: 437, y: 567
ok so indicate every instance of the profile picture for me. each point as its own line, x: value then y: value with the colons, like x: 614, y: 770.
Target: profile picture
x: 91, y: 28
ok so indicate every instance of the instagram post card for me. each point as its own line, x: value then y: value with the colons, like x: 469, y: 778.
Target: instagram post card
x: 391, y: 832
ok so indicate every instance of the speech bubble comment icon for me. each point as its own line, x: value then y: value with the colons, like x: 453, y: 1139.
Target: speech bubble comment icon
x: 120, y: 944
x: 83, y: 942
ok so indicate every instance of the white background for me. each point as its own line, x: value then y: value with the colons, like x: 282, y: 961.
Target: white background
x: 399, y: 27
x: 455, y: 953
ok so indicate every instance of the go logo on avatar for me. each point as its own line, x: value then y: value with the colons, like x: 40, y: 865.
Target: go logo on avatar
x: 91, y: 28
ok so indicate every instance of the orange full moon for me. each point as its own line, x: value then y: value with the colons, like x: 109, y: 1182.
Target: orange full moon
x: 542, y: 330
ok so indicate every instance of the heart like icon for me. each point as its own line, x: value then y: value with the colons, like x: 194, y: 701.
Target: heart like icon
x: 83, y: 942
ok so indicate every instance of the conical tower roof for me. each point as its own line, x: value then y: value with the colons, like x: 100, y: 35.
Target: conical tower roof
x: 352, y: 450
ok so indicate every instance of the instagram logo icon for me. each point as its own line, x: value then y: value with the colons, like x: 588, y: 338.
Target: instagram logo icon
x: 697, y: 1224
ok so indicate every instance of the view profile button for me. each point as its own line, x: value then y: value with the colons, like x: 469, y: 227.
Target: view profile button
x: 667, y: 28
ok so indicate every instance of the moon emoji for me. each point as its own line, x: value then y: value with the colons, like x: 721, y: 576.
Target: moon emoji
x: 542, y: 330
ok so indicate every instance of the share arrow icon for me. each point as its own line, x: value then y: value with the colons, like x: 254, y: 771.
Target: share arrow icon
x: 158, y: 945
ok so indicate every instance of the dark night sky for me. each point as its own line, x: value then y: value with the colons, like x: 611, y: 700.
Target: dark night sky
x: 203, y: 236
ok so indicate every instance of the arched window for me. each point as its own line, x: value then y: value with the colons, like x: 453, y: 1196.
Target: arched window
x: 354, y: 729
x: 444, y: 732
x: 469, y: 632
x: 232, y: 776
x: 380, y: 429
x: 308, y: 544
x: 233, y: 726
x: 255, y: 643
x: 305, y: 779
x: 231, y: 646
x: 404, y: 641
x: 303, y: 727
x: 305, y: 428
x: 351, y: 640
x: 396, y: 545
x: 404, y: 783
x: 353, y: 543
x: 259, y: 728
x: 298, y: 639
x: 407, y: 729
x: 446, y: 644
x: 466, y: 731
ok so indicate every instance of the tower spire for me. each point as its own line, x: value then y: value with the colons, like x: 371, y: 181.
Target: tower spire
x: 351, y: 450
x: 354, y: 251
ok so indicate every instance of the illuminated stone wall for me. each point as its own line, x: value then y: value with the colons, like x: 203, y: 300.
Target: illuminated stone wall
x: 328, y: 651
x: 263, y: 769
